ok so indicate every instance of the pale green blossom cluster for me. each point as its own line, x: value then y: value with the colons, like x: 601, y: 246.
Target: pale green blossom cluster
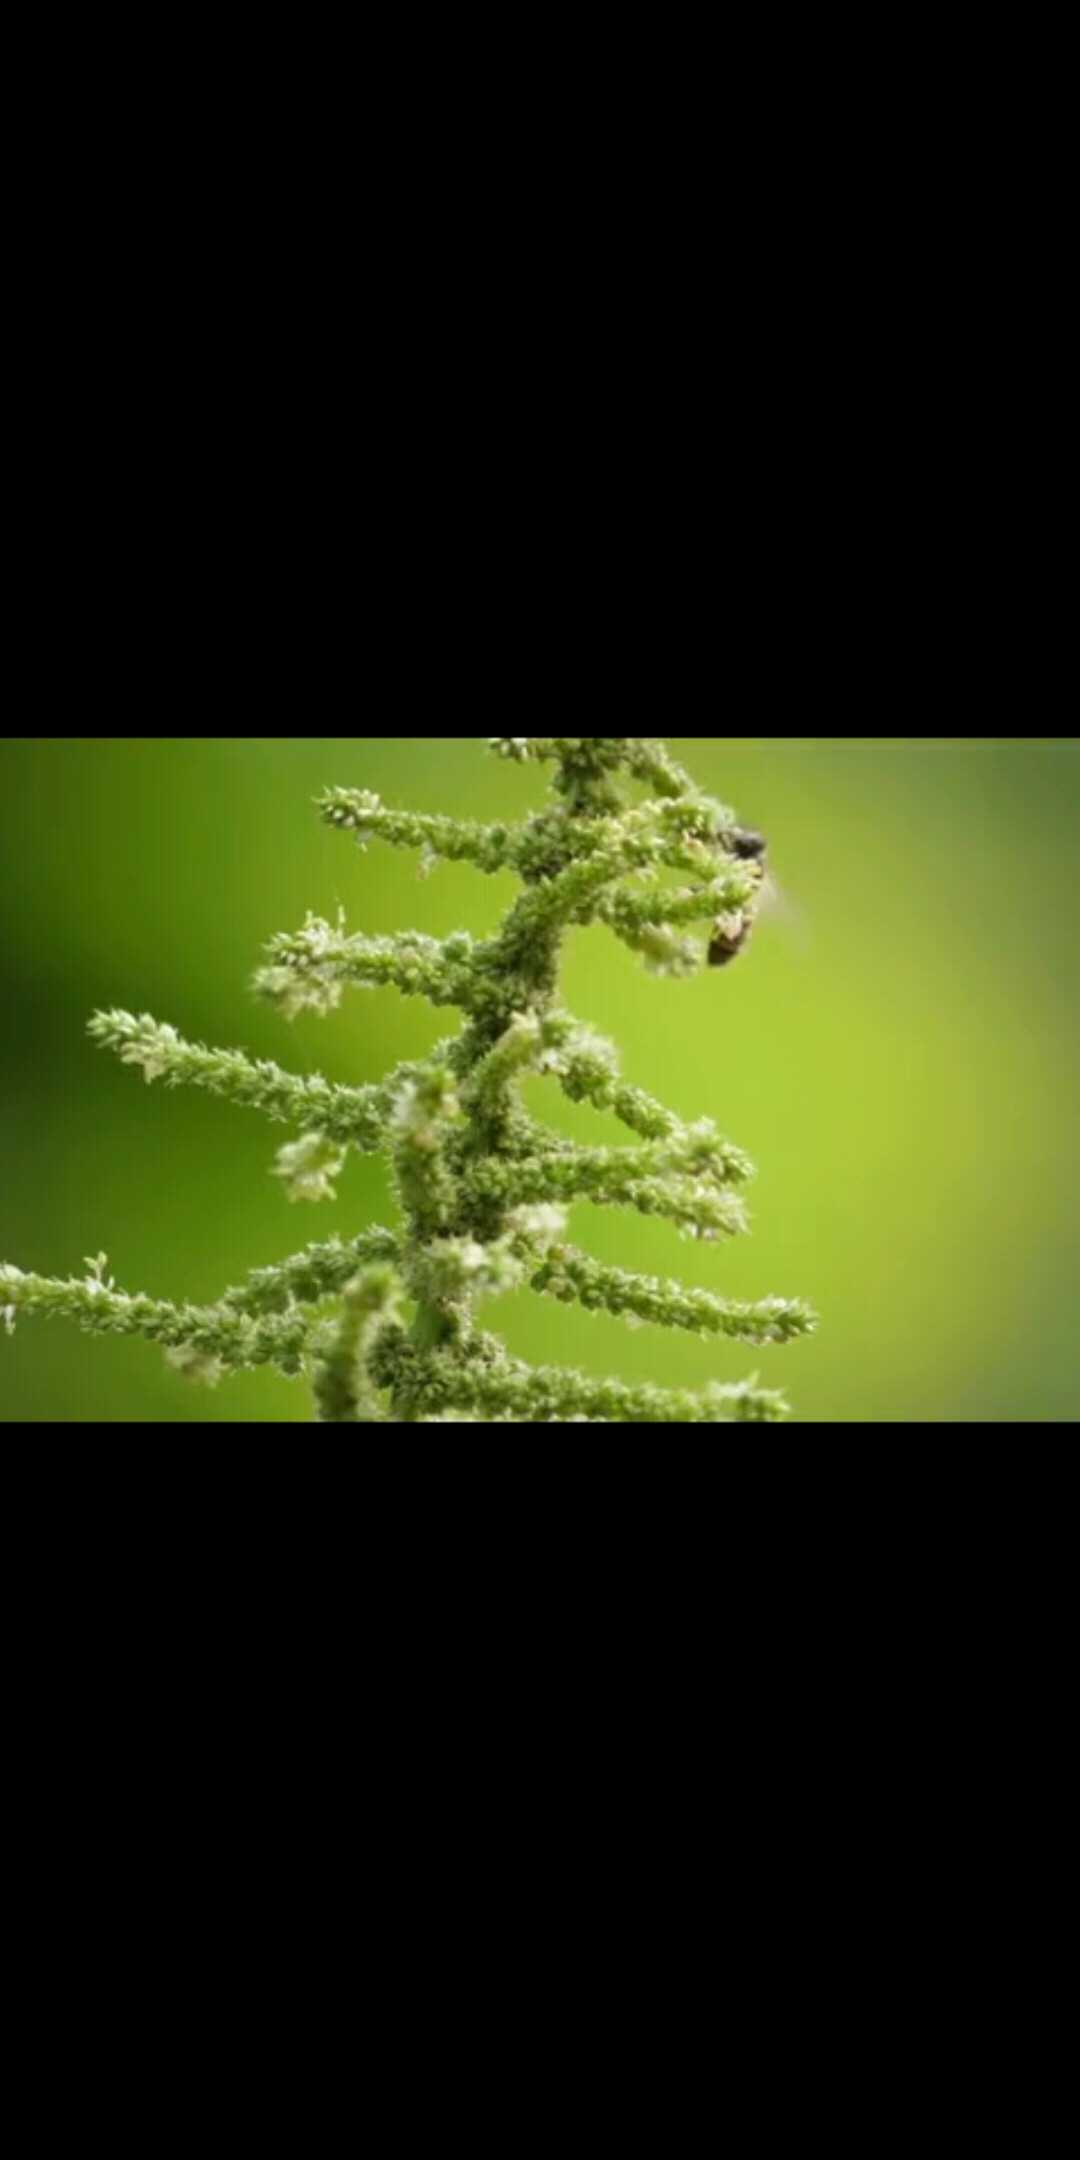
x: 384, y: 1324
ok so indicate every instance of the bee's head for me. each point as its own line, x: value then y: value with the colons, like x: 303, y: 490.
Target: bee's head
x: 748, y: 846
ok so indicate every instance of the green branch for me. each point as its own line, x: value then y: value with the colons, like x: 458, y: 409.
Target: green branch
x: 551, y: 1395
x: 306, y: 1278
x: 573, y: 1277
x: 609, y: 1177
x: 204, y: 1341
x: 353, y: 1116
x: 309, y: 968
x: 357, y: 810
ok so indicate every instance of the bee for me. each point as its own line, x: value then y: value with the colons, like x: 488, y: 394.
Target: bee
x: 748, y: 846
x: 731, y: 932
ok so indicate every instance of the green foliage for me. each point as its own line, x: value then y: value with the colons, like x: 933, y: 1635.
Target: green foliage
x: 482, y: 1187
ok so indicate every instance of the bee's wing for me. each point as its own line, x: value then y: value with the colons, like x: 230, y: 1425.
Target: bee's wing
x: 776, y: 906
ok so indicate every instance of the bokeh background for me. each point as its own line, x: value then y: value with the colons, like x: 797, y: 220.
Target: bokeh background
x: 901, y: 1062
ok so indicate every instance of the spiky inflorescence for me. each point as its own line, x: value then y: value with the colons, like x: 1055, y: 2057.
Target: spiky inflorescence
x: 482, y: 1186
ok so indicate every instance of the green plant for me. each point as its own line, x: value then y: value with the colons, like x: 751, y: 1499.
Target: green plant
x: 482, y: 1185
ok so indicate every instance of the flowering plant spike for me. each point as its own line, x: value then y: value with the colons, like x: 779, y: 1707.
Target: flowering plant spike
x: 384, y: 1323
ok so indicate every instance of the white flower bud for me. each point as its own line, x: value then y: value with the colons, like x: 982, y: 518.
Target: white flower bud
x: 309, y: 1165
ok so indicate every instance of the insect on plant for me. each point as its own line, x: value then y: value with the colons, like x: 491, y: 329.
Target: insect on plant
x: 384, y: 1322
x: 731, y: 933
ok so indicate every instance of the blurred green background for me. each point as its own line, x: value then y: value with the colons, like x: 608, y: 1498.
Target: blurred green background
x: 902, y: 1065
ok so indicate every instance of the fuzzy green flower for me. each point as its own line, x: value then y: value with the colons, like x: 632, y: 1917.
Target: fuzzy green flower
x: 384, y: 1324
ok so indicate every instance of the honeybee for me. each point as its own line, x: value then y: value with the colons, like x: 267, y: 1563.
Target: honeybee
x: 730, y: 932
